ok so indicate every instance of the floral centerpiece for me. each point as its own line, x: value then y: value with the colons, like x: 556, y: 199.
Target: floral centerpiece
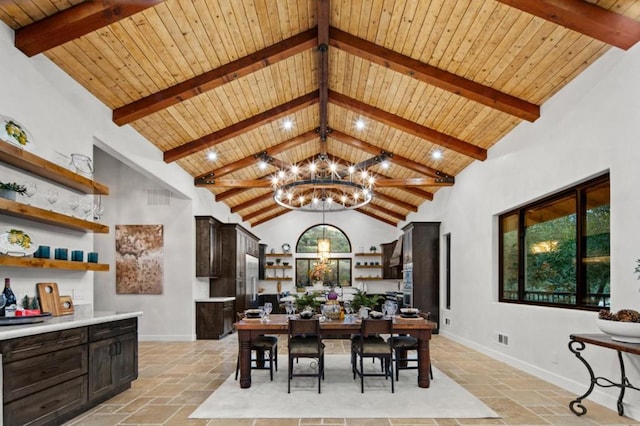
x: 319, y: 272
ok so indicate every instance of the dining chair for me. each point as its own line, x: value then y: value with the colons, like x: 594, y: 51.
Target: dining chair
x: 369, y: 344
x: 401, y: 345
x: 305, y: 341
x: 264, y: 345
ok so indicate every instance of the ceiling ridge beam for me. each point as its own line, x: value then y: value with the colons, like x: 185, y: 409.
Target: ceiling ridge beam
x: 434, y: 76
x: 247, y: 161
x: 375, y: 216
x: 586, y: 18
x: 268, y: 218
x: 215, y: 78
x: 75, y: 22
x: 394, y: 158
x: 424, y: 132
x: 241, y: 127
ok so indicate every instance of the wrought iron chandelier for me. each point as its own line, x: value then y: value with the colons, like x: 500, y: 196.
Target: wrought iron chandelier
x: 325, y: 185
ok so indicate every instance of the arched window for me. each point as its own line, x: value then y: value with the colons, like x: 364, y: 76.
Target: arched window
x: 339, y: 268
x: 308, y: 241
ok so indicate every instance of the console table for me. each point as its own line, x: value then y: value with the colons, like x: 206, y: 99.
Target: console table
x: 577, y: 344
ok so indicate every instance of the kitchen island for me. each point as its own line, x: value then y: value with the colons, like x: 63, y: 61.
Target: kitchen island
x: 56, y: 369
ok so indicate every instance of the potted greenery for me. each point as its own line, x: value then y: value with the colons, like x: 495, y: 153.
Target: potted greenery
x: 373, y: 249
x: 307, y: 300
x: 361, y: 300
x: 9, y: 190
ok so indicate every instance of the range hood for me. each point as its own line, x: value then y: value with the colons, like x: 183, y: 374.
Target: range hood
x: 396, y: 256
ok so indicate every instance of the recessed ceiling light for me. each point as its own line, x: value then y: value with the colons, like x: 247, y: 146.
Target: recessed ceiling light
x: 360, y: 124
x: 436, y: 155
x: 287, y: 124
x: 213, y: 156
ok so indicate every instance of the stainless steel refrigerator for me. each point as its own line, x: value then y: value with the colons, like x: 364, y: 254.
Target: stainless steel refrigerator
x: 251, y: 279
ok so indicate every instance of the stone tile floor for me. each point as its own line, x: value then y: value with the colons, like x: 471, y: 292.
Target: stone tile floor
x: 176, y: 377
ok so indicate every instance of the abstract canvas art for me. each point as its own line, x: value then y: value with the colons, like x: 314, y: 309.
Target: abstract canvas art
x: 139, y: 259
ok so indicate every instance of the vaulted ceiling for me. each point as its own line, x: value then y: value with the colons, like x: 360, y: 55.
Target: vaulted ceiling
x: 197, y: 77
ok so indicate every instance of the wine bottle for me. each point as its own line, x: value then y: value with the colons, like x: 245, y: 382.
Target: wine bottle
x: 8, y: 293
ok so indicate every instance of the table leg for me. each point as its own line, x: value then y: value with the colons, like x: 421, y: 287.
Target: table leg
x: 424, y: 361
x: 244, y: 348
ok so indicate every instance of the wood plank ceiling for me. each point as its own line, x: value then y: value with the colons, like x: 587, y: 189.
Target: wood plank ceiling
x: 197, y: 77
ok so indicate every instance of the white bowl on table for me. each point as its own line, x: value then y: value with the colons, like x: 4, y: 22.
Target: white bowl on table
x: 620, y: 331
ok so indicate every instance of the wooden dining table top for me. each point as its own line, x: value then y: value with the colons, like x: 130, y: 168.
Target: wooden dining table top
x: 280, y: 322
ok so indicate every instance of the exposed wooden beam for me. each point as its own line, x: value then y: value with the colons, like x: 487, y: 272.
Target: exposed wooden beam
x: 268, y: 218
x: 260, y: 212
x: 215, y: 78
x: 586, y: 18
x: 324, y: 13
x: 259, y: 199
x: 248, y: 161
x: 394, y: 158
x: 408, y: 126
x: 434, y: 76
x: 238, y: 183
x: 375, y: 216
x: 228, y: 193
x: 413, y: 190
x: 386, y: 211
x: 392, y: 200
x: 390, y: 183
x: 241, y: 127
x: 75, y: 22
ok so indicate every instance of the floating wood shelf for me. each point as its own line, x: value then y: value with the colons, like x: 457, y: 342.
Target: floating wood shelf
x: 277, y: 267
x: 17, y: 157
x: 32, y: 262
x: 278, y: 255
x: 368, y: 254
x: 277, y: 279
x: 368, y: 266
x: 13, y: 208
x: 368, y: 278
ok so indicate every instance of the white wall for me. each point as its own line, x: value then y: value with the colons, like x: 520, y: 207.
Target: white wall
x: 590, y: 127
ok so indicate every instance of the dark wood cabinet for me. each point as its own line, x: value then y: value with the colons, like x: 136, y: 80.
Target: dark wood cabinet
x: 208, y: 247
x: 421, y: 248
x: 49, y: 378
x: 214, y: 320
x: 389, y: 272
x: 237, y: 243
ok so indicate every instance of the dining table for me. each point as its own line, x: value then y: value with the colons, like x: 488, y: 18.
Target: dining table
x: 249, y: 328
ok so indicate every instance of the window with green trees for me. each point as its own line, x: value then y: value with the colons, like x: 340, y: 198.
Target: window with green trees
x: 555, y: 251
x: 340, y: 268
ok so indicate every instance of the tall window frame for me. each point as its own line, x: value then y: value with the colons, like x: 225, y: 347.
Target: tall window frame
x: 556, y: 251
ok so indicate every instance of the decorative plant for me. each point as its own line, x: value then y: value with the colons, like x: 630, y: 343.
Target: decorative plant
x: 360, y: 299
x: 373, y: 249
x: 25, y: 302
x: 307, y: 299
x: 319, y: 271
x: 20, y: 189
x: 637, y: 270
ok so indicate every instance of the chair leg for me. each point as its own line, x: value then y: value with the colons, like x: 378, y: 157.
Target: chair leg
x: 321, y: 371
x: 276, y: 355
x: 390, y: 373
x: 237, y: 366
x: 361, y: 375
x: 271, y: 364
x: 289, y: 375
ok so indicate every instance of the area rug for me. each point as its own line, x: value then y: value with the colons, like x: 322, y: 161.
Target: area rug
x: 341, y: 396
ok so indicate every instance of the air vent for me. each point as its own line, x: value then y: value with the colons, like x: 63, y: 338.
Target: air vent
x: 503, y: 339
x: 158, y: 197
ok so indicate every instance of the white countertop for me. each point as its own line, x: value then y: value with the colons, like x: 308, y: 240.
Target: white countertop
x: 80, y: 318
x: 216, y: 299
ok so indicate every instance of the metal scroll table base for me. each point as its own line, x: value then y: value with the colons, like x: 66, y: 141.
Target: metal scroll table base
x: 576, y: 346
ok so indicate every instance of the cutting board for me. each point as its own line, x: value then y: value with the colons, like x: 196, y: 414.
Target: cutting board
x: 66, y: 305
x: 49, y: 298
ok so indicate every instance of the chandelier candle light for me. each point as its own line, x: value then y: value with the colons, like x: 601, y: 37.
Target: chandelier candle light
x: 325, y: 185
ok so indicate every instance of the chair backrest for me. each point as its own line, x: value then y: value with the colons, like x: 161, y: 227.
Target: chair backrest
x: 304, y: 327
x: 371, y: 327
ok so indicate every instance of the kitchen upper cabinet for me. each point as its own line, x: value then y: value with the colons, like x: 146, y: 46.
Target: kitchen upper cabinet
x: 390, y: 272
x: 208, y: 247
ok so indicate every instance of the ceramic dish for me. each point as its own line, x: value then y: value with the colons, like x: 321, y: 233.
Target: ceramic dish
x: 16, y: 242
x: 14, y: 132
x: 409, y: 311
x: 376, y: 315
